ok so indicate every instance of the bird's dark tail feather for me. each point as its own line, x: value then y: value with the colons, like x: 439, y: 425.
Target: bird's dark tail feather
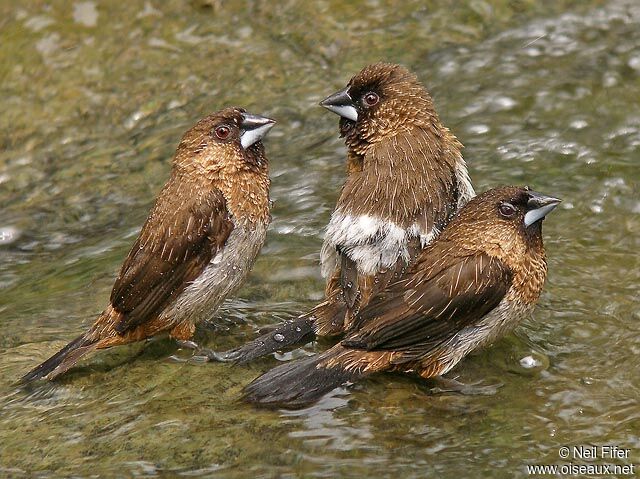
x: 289, y: 334
x: 326, y: 319
x: 62, y: 360
x: 296, y: 384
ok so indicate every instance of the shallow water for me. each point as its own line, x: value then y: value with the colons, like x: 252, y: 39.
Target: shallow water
x: 95, y: 98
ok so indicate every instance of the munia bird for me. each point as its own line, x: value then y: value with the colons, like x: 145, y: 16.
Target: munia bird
x: 197, y: 245
x: 406, y: 178
x: 476, y: 282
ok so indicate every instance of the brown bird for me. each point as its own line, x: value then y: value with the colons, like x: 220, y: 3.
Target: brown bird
x: 197, y: 245
x: 476, y: 282
x: 405, y: 180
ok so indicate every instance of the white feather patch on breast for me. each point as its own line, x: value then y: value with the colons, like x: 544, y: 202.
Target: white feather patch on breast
x: 372, y: 243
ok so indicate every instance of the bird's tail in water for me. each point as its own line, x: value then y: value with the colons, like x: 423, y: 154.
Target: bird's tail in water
x: 62, y: 360
x: 289, y: 334
x: 326, y: 319
x: 298, y: 383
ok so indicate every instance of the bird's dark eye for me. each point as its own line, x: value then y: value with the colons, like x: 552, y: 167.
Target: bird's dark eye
x: 223, y: 132
x: 370, y: 99
x: 507, y: 210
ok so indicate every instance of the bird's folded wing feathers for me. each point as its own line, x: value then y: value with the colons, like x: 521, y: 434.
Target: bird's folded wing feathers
x: 174, y: 246
x: 416, y: 314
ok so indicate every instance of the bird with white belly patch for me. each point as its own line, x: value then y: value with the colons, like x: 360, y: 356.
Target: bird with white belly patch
x: 476, y: 282
x: 406, y: 178
x: 197, y: 245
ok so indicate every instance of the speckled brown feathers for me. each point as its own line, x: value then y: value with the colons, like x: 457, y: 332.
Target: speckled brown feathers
x: 481, y: 259
x: 404, y: 104
x: 197, y: 245
x: 406, y: 174
x: 172, y: 250
x: 409, y: 178
x: 405, y: 180
x: 476, y: 282
x: 242, y: 175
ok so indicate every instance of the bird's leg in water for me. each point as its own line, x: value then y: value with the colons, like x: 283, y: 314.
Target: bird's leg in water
x: 184, y: 344
x: 206, y: 355
x: 183, y: 334
x: 446, y: 385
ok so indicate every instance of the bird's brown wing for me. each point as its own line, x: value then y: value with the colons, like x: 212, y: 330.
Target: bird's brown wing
x: 445, y: 291
x: 176, y: 243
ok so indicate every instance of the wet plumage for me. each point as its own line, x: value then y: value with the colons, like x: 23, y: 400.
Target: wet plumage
x: 405, y: 180
x: 197, y: 245
x: 472, y: 285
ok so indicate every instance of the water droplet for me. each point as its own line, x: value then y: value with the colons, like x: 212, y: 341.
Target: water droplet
x: 578, y: 124
x: 298, y: 329
x: 504, y: 103
x: 278, y: 337
x: 479, y: 129
x: 133, y: 119
x: 634, y: 62
x: 8, y: 234
x: 530, y: 362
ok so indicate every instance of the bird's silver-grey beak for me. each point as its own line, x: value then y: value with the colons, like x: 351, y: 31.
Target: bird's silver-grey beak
x: 538, y: 207
x: 253, y: 128
x: 342, y: 104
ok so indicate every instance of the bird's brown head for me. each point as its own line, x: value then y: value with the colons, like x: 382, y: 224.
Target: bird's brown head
x: 225, y: 151
x: 227, y: 140
x: 380, y: 100
x: 505, y: 222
